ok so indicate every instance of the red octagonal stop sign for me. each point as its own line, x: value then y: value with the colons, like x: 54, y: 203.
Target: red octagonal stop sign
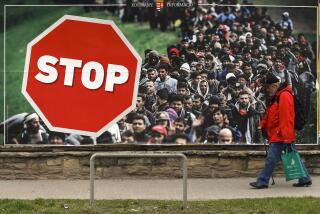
x: 81, y: 75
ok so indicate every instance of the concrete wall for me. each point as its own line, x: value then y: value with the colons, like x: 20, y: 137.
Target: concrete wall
x: 213, y: 161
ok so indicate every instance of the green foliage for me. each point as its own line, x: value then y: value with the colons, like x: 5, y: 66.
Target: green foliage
x: 264, y: 205
x: 140, y: 35
x: 25, y: 23
x: 40, y: 18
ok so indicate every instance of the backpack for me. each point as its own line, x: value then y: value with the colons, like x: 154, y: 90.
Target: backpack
x: 299, y: 119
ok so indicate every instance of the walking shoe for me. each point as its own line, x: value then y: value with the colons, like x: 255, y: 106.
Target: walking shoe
x: 302, y: 184
x: 258, y: 186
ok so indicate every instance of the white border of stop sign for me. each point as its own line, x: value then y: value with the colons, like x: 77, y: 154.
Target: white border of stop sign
x: 26, y: 69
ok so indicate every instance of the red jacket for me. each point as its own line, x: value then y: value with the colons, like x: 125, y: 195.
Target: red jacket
x: 278, y: 120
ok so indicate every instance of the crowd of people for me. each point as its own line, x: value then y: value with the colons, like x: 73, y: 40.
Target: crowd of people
x: 208, y: 88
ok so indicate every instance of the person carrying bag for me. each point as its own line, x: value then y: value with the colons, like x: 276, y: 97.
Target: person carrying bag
x: 292, y: 164
x: 278, y: 123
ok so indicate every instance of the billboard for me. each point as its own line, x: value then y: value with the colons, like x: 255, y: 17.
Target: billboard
x: 204, y: 74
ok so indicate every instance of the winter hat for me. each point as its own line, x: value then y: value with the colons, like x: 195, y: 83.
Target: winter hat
x: 164, y: 59
x: 175, y: 51
x: 30, y: 117
x: 262, y: 66
x: 185, y: 67
x: 214, y: 129
x: 231, y: 78
x: 154, y: 52
x: 217, y: 45
x: 229, y: 75
x: 200, y: 55
x: 160, y: 129
x: 162, y: 115
x: 242, y: 38
x: 248, y: 34
x: 172, y: 114
x: 271, y: 78
x: 285, y: 14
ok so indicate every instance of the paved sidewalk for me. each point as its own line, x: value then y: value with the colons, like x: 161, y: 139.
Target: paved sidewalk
x: 198, y: 189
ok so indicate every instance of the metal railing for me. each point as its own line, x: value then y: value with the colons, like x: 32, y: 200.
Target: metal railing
x: 148, y: 155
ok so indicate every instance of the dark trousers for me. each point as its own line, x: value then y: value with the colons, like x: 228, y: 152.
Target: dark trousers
x: 274, y: 155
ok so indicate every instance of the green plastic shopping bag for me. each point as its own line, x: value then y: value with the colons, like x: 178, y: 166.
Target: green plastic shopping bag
x: 292, y: 165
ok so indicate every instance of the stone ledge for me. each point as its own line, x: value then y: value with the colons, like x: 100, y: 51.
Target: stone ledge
x: 138, y: 147
x: 191, y: 153
x: 201, y: 164
x: 41, y: 154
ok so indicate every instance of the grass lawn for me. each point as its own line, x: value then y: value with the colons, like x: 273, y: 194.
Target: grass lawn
x: 267, y: 205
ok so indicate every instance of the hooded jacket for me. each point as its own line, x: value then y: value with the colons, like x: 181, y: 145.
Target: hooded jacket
x: 206, y: 96
x: 278, y: 120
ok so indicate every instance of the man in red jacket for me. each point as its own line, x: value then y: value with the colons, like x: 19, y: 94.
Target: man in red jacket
x: 278, y: 123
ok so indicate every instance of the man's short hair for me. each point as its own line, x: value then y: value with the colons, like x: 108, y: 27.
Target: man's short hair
x: 223, y: 83
x: 180, y: 135
x: 246, y: 50
x: 230, y: 66
x: 148, y: 81
x: 242, y: 92
x: 278, y: 59
x: 58, y: 134
x: 127, y: 133
x: 182, y: 85
x: 139, y: 117
x: 246, y: 64
x: 176, y: 98
x: 243, y: 76
x: 211, y: 75
x: 181, y: 79
x: 180, y: 120
x: 151, y: 69
x: 225, y: 58
x: 214, y: 100
x: 164, y: 66
x: 209, y: 57
x: 197, y: 96
x: 163, y: 94
x: 220, y: 109
x: 194, y: 74
x: 143, y: 96
x: 204, y: 71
